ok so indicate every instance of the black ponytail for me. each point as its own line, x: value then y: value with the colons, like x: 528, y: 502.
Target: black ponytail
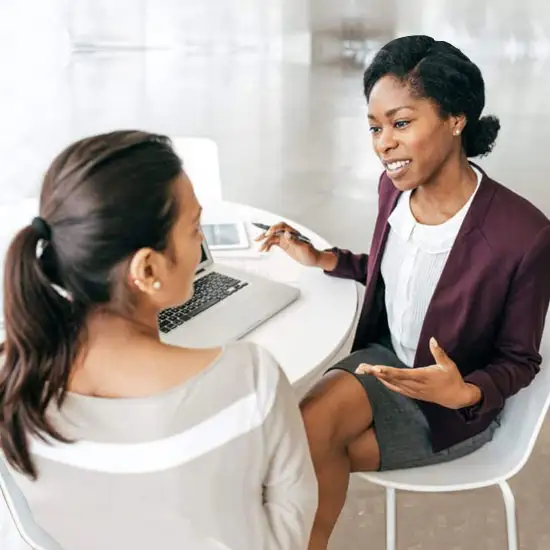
x: 42, y: 329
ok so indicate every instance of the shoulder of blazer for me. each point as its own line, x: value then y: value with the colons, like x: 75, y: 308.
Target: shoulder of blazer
x: 497, y: 209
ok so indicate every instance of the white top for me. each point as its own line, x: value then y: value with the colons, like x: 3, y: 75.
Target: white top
x: 222, y: 458
x: 413, y: 260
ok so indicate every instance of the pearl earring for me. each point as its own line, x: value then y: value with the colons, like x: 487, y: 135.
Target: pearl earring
x: 457, y: 132
x: 156, y: 285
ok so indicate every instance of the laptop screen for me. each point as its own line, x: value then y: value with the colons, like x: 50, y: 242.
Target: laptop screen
x: 206, y: 259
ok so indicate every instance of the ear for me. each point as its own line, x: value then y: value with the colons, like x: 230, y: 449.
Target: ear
x: 144, y: 271
x: 458, y: 123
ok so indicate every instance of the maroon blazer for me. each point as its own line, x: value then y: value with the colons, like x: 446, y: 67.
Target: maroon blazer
x: 488, y: 308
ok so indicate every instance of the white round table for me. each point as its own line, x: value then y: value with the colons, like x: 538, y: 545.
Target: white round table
x: 315, y: 331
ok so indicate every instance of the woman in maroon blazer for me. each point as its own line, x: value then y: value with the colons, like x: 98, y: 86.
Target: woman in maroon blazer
x: 457, y: 283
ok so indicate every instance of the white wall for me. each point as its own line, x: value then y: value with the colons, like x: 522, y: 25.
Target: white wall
x: 57, y: 85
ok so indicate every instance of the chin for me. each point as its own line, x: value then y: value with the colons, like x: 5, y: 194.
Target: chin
x: 406, y: 178
x: 405, y: 184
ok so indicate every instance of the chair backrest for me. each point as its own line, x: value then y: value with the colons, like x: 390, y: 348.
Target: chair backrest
x: 201, y: 163
x: 524, y: 414
x: 20, y: 516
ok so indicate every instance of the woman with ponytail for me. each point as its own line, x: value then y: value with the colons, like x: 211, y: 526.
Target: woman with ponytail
x: 116, y: 439
x: 457, y: 283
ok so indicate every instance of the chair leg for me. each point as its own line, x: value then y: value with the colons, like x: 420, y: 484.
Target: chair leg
x: 391, y: 525
x: 510, y: 506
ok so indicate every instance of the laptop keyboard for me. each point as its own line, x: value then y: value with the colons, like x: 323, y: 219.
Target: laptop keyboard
x: 209, y: 291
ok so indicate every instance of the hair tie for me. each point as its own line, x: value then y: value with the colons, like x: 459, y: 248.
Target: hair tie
x: 42, y: 228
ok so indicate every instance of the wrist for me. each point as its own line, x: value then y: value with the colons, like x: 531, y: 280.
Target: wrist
x: 471, y: 396
x: 326, y: 260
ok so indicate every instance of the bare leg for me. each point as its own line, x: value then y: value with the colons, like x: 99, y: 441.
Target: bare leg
x: 364, y: 453
x: 336, y: 413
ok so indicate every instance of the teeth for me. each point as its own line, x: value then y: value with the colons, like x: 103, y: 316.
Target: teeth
x: 397, y: 165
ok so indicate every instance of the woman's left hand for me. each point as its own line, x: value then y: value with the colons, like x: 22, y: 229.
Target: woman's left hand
x: 440, y: 383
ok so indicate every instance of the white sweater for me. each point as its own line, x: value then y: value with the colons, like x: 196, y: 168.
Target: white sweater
x: 221, y: 459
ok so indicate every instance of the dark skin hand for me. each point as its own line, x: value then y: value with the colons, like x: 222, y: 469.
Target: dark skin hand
x: 440, y: 383
x: 284, y: 236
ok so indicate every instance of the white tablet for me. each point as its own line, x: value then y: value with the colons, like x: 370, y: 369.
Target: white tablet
x: 226, y: 235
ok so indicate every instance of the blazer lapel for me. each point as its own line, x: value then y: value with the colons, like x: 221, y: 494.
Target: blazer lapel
x: 468, y: 249
x: 379, y: 239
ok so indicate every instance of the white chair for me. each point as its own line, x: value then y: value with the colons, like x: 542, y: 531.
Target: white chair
x: 200, y: 160
x: 494, y: 464
x: 18, y: 528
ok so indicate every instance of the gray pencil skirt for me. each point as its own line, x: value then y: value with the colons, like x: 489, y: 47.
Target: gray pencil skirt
x: 402, y: 431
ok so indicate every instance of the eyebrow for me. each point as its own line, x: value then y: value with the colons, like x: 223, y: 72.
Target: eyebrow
x: 392, y: 112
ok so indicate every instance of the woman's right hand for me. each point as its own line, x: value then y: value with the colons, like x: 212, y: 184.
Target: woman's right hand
x: 284, y: 236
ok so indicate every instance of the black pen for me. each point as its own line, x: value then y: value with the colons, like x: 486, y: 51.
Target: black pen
x: 297, y: 236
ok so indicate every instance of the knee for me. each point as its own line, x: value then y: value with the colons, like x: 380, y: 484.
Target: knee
x: 313, y: 408
x: 335, y: 410
x: 317, y: 409
x: 322, y: 401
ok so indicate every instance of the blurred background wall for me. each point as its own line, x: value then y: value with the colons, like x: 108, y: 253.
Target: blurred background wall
x: 277, y: 83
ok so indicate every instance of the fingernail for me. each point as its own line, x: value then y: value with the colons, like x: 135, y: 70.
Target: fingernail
x: 287, y: 234
x: 433, y: 342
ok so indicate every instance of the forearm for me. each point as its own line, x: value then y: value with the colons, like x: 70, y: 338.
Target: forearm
x: 489, y: 388
x: 516, y: 359
x: 344, y: 264
x: 290, y: 485
x: 290, y: 512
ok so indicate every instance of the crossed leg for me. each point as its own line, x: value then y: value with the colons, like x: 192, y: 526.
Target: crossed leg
x: 338, y: 419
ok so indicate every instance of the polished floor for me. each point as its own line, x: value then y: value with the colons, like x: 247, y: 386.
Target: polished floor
x: 292, y: 136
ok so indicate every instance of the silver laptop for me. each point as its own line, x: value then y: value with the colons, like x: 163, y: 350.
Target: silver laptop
x: 227, y: 304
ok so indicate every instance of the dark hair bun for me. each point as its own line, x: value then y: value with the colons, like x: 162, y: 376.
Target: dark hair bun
x: 480, y: 135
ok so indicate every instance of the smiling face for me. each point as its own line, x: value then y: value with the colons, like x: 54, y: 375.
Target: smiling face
x: 409, y: 135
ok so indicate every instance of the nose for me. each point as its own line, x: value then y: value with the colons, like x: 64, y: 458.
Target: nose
x: 385, y: 141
